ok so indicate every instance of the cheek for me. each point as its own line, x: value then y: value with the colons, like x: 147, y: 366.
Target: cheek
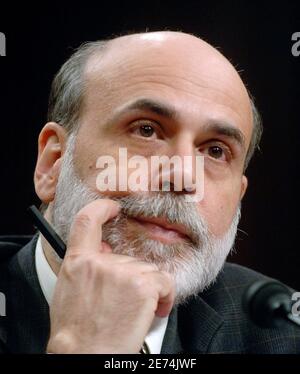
x: 219, y: 207
x: 86, y: 155
x: 125, y: 174
x: 118, y: 179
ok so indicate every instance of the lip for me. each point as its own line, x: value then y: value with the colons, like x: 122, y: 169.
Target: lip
x: 161, y: 229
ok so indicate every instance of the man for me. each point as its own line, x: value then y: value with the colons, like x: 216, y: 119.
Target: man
x: 143, y: 269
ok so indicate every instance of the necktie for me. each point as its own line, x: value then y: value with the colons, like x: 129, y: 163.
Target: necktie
x: 144, y: 349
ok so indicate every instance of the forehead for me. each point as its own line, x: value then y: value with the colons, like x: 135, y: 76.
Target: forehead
x: 194, y: 77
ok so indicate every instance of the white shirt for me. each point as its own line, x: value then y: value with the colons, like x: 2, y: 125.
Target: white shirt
x: 47, y: 279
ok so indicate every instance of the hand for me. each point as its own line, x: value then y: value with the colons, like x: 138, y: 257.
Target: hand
x: 104, y: 302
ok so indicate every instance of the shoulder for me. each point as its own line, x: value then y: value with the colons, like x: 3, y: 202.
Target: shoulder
x: 11, y: 244
x: 230, y: 286
x: 16, y: 277
x: 233, y: 274
x: 226, y: 293
x: 238, y: 333
x: 14, y: 251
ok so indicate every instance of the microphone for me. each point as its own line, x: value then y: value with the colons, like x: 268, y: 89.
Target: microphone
x: 269, y: 303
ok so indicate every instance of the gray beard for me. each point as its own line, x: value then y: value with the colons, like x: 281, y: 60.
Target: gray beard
x: 194, y: 263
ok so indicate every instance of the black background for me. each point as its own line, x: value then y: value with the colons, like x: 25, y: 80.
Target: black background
x: 255, y: 36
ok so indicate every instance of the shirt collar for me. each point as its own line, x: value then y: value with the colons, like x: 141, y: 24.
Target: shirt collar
x: 47, y: 279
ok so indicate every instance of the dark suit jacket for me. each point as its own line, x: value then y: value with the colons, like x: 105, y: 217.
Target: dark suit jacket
x: 214, y: 322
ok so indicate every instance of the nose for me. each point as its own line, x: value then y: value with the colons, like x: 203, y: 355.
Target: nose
x: 177, y: 171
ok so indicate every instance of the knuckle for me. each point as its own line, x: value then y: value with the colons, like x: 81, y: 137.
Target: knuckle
x: 75, y: 263
x: 168, y: 277
x: 154, y: 267
x: 108, y: 203
x: 144, y: 288
x: 69, y: 267
x: 139, y: 285
x: 82, y: 219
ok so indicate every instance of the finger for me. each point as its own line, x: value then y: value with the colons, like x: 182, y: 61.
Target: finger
x: 165, y: 305
x: 86, y: 229
x: 166, y: 290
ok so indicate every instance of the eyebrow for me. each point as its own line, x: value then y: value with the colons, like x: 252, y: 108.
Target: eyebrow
x: 166, y: 110
x: 227, y: 130
x: 153, y: 106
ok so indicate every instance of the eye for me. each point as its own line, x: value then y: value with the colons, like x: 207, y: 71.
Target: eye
x: 145, y: 129
x: 216, y: 152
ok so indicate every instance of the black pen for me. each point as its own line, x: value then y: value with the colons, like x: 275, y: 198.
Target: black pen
x: 47, y: 231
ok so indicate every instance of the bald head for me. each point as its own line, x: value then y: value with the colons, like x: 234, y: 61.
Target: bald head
x: 162, y: 58
x: 169, y: 48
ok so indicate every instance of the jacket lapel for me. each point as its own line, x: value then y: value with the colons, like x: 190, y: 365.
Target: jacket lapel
x: 191, y: 328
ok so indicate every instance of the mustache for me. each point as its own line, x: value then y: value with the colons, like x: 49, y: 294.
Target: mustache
x: 174, y: 208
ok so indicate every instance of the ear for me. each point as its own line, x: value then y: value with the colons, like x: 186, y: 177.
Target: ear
x: 51, y: 147
x: 244, y: 186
